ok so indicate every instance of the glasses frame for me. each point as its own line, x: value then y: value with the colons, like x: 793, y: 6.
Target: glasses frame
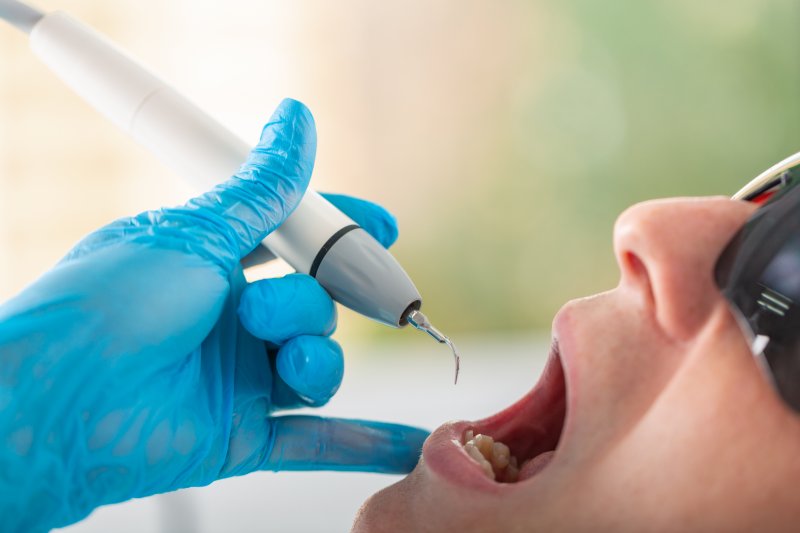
x: 769, y: 179
x: 741, y: 299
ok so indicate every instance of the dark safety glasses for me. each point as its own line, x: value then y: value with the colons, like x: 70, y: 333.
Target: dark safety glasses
x: 759, y: 275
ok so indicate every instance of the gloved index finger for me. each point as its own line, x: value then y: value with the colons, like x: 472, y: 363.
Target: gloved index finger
x: 317, y: 443
x: 375, y: 220
x: 267, y: 187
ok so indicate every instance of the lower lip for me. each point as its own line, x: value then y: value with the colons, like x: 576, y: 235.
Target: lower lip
x: 444, y: 454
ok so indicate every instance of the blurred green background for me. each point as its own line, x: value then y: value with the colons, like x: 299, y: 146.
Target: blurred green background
x: 653, y: 99
x: 505, y: 135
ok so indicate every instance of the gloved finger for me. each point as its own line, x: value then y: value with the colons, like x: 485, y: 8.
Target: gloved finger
x: 238, y: 214
x: 316, y: 443
x: 277, y: 309
x: 309, y: 372
x: 375, y: 220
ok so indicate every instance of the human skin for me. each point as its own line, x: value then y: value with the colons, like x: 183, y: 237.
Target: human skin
x: 670, y: 423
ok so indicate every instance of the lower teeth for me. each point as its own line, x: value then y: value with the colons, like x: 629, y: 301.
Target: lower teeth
x: 494, y: 457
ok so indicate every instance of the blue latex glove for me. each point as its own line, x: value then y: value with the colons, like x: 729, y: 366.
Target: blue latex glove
x: 143, y: 362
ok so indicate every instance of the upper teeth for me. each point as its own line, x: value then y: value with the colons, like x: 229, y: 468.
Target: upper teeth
x: 494, y: 457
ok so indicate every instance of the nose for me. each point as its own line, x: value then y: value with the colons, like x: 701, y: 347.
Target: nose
x: 666, y: 251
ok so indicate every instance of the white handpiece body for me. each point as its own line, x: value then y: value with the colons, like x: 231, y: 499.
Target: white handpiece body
x: 361, y: 274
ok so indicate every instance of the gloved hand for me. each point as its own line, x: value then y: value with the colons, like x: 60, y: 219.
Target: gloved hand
x: 143, y: 362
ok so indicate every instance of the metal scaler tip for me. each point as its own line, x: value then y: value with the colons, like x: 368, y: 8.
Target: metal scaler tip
x: 417, y: 319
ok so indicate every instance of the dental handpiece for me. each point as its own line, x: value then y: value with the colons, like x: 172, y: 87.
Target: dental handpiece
x: 316, y: 239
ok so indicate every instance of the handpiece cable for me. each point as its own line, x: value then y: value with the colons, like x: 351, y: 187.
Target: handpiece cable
x: 19, y: 15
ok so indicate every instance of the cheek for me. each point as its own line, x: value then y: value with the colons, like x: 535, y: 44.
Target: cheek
x: 620, y: 364
x: 712, y: 446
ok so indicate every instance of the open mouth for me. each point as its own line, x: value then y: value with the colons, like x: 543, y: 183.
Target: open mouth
x: 511, y: 446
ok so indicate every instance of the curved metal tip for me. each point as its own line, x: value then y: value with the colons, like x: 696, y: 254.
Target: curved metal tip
x: 458, y: 362
x: 417, y: 319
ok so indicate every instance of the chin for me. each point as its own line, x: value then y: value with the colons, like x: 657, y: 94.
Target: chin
x: 387, y: 510
x: 418, y: 503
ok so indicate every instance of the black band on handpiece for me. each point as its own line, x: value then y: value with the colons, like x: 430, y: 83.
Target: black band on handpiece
x: 327, y: 246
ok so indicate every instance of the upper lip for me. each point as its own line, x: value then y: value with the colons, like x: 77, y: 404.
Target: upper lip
x: 532, y: 425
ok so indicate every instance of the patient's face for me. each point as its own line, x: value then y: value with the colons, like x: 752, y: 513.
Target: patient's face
x: 670, y: 424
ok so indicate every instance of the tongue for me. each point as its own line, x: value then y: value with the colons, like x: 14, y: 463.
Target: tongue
x: 532, y: 467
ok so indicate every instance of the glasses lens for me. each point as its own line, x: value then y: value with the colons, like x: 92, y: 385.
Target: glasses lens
x: 759, y: 275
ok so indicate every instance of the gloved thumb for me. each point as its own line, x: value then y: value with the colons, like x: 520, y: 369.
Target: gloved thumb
x: 238, y: 214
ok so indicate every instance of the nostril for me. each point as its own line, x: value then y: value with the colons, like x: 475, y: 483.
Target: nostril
x: 634, y: 264
x: 635, y: 269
